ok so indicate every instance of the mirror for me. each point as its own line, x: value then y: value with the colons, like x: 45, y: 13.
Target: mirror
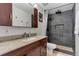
x: 18, y: 14
x: 22, y: 14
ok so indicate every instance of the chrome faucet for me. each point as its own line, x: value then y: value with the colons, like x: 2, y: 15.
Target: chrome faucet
x: 29, y: 34
x: 25, y: 35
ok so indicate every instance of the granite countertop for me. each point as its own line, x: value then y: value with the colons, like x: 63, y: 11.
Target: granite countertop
x: 8, y: 46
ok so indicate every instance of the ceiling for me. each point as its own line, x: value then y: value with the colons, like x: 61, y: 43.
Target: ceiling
x: 51, y: 7
x: 48, y: 6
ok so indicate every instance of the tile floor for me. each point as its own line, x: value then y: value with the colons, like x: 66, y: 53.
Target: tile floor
x: 58, y: 53
x: 64, y: 48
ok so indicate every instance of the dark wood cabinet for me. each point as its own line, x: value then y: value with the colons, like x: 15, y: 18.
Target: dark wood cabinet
x: 38, y: 48
x: 35, y: 49
x: 44, y: 47
x: 5, y: 14
x: 34, y: 52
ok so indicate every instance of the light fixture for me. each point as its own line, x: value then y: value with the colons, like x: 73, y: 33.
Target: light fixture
x: 44, y: 4
x: 33, y: 4
x: 58, y: 12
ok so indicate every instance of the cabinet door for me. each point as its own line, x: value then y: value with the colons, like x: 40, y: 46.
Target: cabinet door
x: 5, y: 14
x: 44, y: 47
x: 43, y: 50
x: 35, y: 52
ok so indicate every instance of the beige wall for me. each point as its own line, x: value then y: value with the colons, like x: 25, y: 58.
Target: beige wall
x: 42, y: 25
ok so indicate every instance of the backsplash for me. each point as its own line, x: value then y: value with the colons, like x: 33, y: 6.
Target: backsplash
x: 11, y: 33
x: 11, y: 37
x: 7, y: 31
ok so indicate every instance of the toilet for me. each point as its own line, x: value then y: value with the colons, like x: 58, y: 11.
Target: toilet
x: 50, y: 48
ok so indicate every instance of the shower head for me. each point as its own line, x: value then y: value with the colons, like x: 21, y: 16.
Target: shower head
x: 58, y: 12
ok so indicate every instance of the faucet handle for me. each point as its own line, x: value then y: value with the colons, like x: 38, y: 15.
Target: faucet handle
x: 25, y: 34
x: 29, y: 35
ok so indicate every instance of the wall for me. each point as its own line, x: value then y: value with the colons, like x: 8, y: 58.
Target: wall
x: 61, y: 35
x: 45, y: 22
x: 77, y: 29
x: 66, y: 7
x: 73, y: 26
x: 42, y: 26
x: 77, y: 19
x: 6, y: 31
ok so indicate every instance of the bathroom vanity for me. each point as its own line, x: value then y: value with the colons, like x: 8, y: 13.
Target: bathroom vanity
x: 21, y: 15
x: 33, y: 46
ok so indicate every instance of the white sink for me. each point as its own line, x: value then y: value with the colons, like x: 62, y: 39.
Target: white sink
x: 28, y: 39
